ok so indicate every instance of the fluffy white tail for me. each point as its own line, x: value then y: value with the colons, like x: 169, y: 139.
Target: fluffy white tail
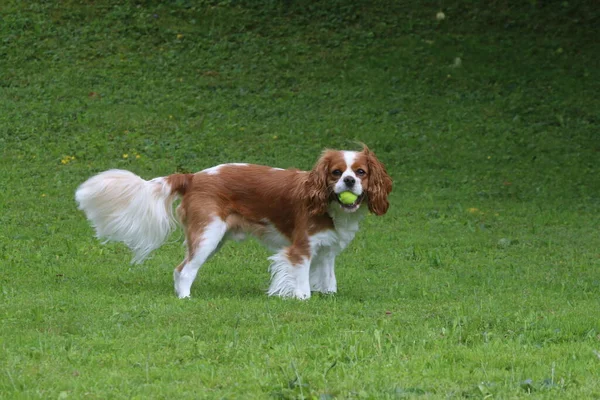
x: 125, y: 208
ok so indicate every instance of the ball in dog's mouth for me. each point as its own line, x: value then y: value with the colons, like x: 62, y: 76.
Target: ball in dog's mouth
x: 350, y: 201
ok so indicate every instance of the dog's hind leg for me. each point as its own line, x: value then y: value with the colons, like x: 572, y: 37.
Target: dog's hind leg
x: 200, y: 250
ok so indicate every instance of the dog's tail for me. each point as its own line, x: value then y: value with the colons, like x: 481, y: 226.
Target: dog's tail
x: 125, y: 208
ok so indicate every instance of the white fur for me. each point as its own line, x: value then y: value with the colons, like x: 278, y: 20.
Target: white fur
x: 322, y: 271
x: 346, y: 224
x: 272, y: 239
x: 349, y: 158
x: 215, y: 170
x: 209, y: 242
x: 318, y: 272
x: 340, y: 186
x: 289, y: 280
x: 321, y: 239
x: 212, y: 170
x: 326, y: 245
x: 125, y: 208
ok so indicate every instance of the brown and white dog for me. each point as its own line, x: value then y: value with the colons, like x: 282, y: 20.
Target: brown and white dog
x: 295, y: 213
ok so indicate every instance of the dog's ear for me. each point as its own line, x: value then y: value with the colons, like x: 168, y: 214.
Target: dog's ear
x: 317, y: 189
x: 380, y: 184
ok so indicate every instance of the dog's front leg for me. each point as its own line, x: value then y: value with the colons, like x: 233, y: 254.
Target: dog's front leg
x: 322, y: 271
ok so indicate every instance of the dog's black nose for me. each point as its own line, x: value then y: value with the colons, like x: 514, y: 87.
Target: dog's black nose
x: 349, y: 181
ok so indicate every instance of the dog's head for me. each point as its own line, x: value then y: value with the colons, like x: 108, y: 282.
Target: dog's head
x: 358, y: 172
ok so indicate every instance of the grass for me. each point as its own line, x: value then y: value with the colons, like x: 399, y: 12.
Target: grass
x: 482, y: 281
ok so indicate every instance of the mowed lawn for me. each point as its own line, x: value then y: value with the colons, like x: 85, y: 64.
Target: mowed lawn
x: 482, y: 281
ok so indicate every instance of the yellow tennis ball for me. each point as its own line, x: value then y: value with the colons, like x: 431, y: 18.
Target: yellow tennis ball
x: 347, y: 197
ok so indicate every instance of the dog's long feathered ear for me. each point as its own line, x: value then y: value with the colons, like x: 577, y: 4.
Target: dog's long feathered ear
x: 380, y: 184
x: 317, y: 191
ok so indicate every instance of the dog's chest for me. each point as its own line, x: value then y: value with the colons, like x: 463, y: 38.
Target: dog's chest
x: 345, y: 231
x: 345, y: 225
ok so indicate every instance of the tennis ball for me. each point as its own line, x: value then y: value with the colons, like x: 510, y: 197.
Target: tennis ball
x: 347, y: 197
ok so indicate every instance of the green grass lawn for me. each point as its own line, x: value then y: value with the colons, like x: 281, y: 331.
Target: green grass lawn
x: 482, y: 281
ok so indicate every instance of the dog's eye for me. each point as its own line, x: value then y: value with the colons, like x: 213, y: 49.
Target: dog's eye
x: 336, y: 172
x: 360, y: 172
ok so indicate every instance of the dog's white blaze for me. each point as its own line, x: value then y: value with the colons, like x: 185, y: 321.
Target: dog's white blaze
x: 349, y: 158
x: 340, y: 186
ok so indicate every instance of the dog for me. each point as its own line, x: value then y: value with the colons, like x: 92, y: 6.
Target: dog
x: 297, y: 214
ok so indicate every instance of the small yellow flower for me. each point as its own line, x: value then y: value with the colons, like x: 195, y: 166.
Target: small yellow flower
x: 473, y: 210
x: 179, y: 36
x: 43, y: 194
x: 275, y: 137
x: 125, y: 155
x: 67, y: 159
x: 137, y: 156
